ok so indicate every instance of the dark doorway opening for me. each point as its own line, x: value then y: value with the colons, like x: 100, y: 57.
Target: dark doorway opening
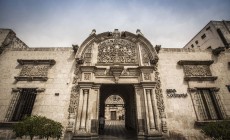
x: 117, y: 124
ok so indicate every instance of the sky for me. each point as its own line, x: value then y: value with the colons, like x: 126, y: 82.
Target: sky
x: 61, y: 23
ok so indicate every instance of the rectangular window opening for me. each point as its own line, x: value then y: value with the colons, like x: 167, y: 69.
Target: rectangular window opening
x: 25, y: 104
x: 209, y: 103
x: 203, y: 36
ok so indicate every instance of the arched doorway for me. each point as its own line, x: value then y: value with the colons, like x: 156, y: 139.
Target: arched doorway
x: 114, y: 108
x: 117, y: 106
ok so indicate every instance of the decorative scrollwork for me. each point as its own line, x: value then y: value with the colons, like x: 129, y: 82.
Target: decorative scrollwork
x: 74, y: 100
x: 117, y: 51
x: 34, y: 70
x: 160, y: 101
x: 146, y: 56
x: 197, y: 70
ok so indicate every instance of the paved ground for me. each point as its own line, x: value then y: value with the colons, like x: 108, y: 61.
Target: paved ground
x: 115, y: 130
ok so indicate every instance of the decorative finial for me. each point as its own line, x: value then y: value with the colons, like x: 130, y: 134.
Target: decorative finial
x: 75, y: 48
x: 139, y: 32
x: 93, y: 32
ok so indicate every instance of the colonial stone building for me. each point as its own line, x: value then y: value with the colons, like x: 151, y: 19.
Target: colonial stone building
x: 165, y: 92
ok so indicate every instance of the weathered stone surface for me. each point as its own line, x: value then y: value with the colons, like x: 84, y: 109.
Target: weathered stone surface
x: 117, y: 63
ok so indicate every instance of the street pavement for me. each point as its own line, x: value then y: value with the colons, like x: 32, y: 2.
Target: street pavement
x: 115, y: 130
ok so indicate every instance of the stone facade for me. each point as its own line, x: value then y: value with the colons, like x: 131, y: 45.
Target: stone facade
x: 164, y: 89
x: 215, y: 35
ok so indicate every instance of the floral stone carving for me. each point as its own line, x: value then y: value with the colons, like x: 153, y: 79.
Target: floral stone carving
x: 197, y: 70
x: 117, y: 51
x: 34, y: 70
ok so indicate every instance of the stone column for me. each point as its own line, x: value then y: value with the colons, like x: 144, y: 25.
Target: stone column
x: 150, y: 109
x: 139, y: 109
x: 84, y: 110
x: 152, y: 93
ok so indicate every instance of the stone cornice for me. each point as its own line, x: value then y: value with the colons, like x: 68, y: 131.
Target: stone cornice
x: 146, y: 68
x: 195, y: 62
x: 200, y: 78
x: 87, y: 68
x: 36, y: 61
x: 31, y: 78
x: 148, y: 84
x: 194, y: 89
x: 20, y: 88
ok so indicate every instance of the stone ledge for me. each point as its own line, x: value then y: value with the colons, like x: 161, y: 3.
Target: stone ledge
x: 36, y: 61
x: 31, y: 78
x: 200, y: 78
x: 195, y: 62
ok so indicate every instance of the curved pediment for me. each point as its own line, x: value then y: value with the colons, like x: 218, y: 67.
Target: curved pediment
x: 116, y: 48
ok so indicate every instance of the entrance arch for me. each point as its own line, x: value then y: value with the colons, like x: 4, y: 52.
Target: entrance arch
x: 127, y: 93
x: 114, y: 108
x: 120, y: 63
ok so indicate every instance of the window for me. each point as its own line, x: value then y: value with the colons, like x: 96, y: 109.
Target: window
x: 196, y: 41
x: 203, y: 36
x: 208, y: 105
x: 210, y: 47
x: 192, y: 46
x: 208, y: 28
x: 24, y: 104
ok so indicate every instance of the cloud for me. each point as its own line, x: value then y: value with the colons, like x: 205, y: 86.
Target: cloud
x: 62, y: 23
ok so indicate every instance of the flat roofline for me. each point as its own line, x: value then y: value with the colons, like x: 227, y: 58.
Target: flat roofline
x: 202, y: 29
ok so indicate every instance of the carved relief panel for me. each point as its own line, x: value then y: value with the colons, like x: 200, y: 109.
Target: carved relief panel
x: 34, y: 69
x: 117, y: 51
x: 145, y: 54
x: 197, y: 70
x: 87, y: 55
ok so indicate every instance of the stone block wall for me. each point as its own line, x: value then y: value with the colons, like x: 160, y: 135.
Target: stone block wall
x: 59, y: 81
x: 181, y: 115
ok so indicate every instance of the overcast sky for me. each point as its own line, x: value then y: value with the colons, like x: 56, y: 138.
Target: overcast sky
x: 61, y: 23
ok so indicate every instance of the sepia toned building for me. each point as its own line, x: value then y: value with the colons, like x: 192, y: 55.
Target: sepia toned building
x: 161, y: 93
x: 215, y: 35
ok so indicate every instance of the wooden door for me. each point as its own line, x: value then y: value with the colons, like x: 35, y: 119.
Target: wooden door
x: 113, y: 115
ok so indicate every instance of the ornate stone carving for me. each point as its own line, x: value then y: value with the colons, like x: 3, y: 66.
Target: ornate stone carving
x: 197, y: 70
x: 116, y: 72
x: 75, y: 48
x: 74, y: 99
x: 87, y: 76
x: 125, y: 72
x: 146, y: 56
x: 34, y: 70
x: 147, y: 76
x: 160, y: 101
x: 87, y: 55
x: 117, y: 51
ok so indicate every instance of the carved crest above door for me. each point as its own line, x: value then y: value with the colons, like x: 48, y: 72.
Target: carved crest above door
x: 116, y: 48
x: 117, y: 51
